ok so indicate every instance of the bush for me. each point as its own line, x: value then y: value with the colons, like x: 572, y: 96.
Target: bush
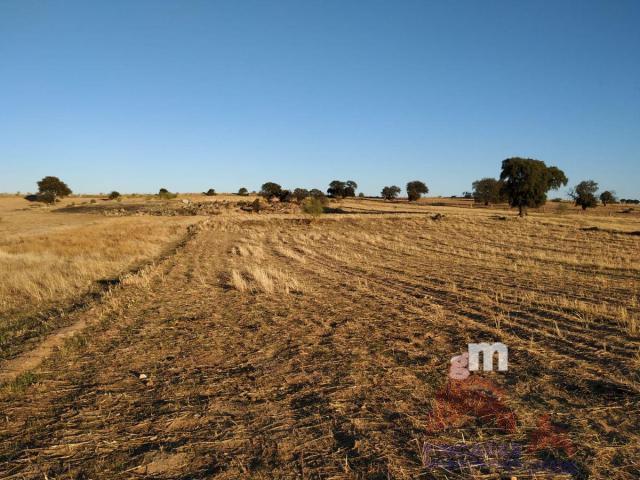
x: 256, y: 205
x: 166, y: 194
x: 113, y: 195
x: 270, y: 190
x: 300, y: 194
x: 210, y: 193
x: 285, y: 196
x: 243, y: 192
x: 315, y: 193
x: 313, y: 206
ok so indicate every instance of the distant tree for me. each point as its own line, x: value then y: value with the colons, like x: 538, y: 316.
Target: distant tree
x: 270, y: 190
x: 210, y: 193
x: 243, y: 192
x: 467, y: 195
x: 608, y: 197
x: 350, y: 188
x: 52, y: 188
x: 285, y: 196
x: 300, y: 194
x: 487, y: 190
x: 361, y: 195
x: 584, y: 194
x: 416, y: 189
x: 113, y: 195
x: 337, y: 189
x: 389, y: 193
x: 166, y: 194
x: 526, y: 182
x: 315, y: 193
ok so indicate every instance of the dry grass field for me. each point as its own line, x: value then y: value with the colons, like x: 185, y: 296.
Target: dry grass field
x: 274, y: 345
x: 51, y: 261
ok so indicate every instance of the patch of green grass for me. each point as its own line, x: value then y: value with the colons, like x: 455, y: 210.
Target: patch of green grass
x: 21, y: 382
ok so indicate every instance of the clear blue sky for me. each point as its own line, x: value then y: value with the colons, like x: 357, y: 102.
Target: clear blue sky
x: 187, y: 95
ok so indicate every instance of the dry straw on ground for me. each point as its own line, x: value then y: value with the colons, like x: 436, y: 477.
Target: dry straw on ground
x: 270, y: 346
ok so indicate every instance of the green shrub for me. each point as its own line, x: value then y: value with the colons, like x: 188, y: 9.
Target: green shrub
x: 313, y: 206
x: 300, y: 194
x: 22, y: 382
x: 166, y: 194
x: 270, y: 190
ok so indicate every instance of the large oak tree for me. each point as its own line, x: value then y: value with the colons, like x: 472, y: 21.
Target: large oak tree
x: 526, y: 182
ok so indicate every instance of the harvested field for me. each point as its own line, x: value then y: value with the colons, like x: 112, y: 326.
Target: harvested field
x: 276, y: 346
x: 53, y: 263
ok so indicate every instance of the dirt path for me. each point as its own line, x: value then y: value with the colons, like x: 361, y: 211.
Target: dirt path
x: 180, y: 375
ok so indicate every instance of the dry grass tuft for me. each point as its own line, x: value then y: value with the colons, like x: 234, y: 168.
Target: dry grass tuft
x: 264, y: 279
x: 238, y: 282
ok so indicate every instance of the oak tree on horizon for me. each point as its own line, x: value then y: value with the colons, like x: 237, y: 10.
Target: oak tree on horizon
x: 526, y: 181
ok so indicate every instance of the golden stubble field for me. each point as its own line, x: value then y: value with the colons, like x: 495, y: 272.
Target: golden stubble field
x: 274, y: 345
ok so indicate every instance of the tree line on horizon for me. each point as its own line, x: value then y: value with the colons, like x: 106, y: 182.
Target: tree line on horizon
x: 523, y: 182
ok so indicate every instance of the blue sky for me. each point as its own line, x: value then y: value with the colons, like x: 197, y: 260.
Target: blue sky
x: 190, y: 95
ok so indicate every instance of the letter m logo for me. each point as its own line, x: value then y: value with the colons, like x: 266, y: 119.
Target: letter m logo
x: 488, y: 349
